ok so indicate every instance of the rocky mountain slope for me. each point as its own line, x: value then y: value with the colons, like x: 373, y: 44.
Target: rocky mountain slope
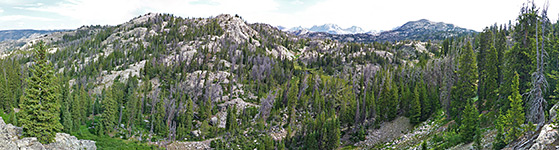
x: 421, y: 30
x: 10, y: 140
x: 221, y: 61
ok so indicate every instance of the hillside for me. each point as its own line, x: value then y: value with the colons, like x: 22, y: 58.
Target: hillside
x: 220, y: 82
x: 212, y: 65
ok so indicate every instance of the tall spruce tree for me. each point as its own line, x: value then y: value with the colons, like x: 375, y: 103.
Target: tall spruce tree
x: 485, y: 42
x: 40, y: 108
x: 110, y: 111
x: 465, y: 88
x: 491, y: 79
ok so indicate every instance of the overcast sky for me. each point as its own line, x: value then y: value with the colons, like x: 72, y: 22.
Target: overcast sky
x: 368, y: 14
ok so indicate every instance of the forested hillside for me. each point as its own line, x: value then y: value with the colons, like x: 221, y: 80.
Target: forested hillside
x: 170, y: 82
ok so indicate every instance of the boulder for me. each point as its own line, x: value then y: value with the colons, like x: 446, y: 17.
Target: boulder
x: 546, y: 138
x: 214, y: 121
x: 9, y: 140
x: 196, y: 133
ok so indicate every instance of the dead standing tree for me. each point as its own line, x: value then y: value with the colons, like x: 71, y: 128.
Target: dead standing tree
x: 537, y: 102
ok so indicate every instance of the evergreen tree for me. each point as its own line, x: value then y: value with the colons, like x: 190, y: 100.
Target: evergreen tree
x: 67, y: 118
x: 477, y: 139
x: 110, y: 111
x: 485, y: 41
x: 465, y: 87
x: 499, y: 141
x: 40, y: 108
x: 10, y: 83
x: 185, y: 124
x: 77, y: 107
x: 469, y: 123
x: 425, y: 101
x: 491, y: 80
x: 416, y: 107
x: 231, y: 123
x: 161, y: 127
x: 515, y: 115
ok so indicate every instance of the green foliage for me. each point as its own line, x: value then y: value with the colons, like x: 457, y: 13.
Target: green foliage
x: 322, y: 133
x: 160, y: 124
x: 185, y: 122
x: 477, y: 139
x: 469, y: 123
x: 231, y: 123
x: 515, y: 115
x: 110, y: 111
x: 10, y: 84
x: 426, y: 104
x: 416, y: 107
x: 465, y: 88
x: 449, y: 139
x: 40, y: 108
x: 67, y: 121
x: 110, y: 143
x: 499, y: 141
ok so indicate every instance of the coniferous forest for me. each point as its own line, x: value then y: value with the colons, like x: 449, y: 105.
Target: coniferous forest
x: 161, y: 81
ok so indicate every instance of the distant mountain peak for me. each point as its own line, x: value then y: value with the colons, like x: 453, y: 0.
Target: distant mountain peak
x: 327, y: 28
x: 422, y: 30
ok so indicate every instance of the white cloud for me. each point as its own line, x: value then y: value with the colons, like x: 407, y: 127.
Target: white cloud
x: 1, y: 10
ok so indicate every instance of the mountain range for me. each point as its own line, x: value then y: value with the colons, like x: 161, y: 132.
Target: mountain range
x: 18, y: 34
x: 326, y: 28
x: 421, y: 30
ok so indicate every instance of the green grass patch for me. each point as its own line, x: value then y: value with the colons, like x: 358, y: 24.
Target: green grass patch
x: 110, y: 143
x: 350, y: 147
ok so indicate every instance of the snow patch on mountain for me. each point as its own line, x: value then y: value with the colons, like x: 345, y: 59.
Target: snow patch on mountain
x: 326, y: 28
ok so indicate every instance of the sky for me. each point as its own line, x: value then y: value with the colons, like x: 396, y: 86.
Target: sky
x: 367, y: 14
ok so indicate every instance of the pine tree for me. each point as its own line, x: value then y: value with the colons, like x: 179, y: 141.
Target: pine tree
x: 477, y: 139
x: 469, y: 122
x: 499, y: 141
x: 425, y: 102
x: 77, y: 107
x: 110, y: 111
x: 491, y: 79
x: 161, y: 127
x: 393, y: 105
x: 231, y: 123
x: 189, y: 114
x: 185, y: 122
x: 39, y: 106
x: 416, y: 107
x: 485, y: 41
x: 67, y: 118
x: 515, y: 115
x: 465, y: 87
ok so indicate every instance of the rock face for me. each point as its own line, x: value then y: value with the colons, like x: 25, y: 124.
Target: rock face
x: 546, y: 139
x: 9, y: 140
